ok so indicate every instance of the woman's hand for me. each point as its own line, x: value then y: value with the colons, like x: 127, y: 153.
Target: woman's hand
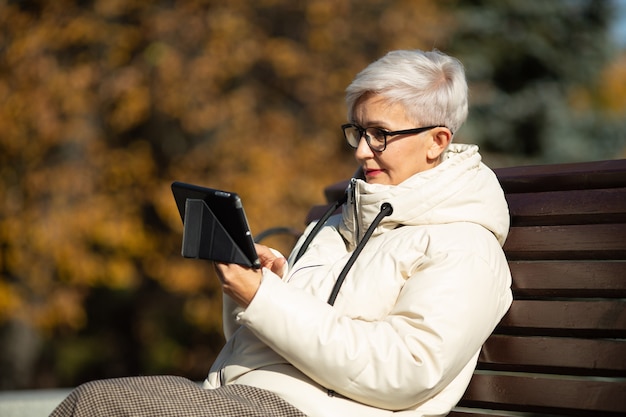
x: 269, y: 260
x: 241, y: 283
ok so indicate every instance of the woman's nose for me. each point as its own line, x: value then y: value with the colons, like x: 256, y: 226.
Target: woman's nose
x: 363, y: 151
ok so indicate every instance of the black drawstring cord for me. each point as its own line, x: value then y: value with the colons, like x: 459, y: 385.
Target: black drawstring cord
x: 319, y: 225
x: 385, y: 210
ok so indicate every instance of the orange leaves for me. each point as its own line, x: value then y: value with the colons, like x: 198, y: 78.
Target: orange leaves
x: 613, y: 88
x: 287, y: 57
x: 609, y: 94
x: 130, y: 99
x: 10, y: 301
x: 63, y: 308
x: 104, y: 103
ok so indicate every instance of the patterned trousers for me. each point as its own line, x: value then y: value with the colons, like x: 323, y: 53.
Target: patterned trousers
x: 170, y: 396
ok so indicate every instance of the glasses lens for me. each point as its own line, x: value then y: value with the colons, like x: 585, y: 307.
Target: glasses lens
x: 353, y: 135
x: 376, y: 139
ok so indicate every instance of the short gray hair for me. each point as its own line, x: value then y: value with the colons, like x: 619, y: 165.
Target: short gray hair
x: 430, y: 85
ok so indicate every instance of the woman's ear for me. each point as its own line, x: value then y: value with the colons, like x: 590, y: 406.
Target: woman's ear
x: 441, y: 138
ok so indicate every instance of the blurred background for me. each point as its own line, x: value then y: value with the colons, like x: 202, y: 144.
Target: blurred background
x: 103, y: 103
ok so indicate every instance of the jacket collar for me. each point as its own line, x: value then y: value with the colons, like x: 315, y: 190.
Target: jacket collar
x: 461, y: 188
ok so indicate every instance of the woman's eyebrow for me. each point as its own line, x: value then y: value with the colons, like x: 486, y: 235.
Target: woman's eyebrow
x: 373, y: 123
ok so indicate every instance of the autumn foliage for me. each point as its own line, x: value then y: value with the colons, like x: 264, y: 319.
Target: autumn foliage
x: 103, y: 104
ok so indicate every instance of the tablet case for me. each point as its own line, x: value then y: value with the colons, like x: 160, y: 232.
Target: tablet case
x: 204, y: 237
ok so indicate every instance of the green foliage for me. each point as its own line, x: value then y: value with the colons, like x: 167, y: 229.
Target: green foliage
x: 534, y: 66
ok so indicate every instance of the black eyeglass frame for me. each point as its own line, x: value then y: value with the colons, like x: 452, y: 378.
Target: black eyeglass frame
x: 363, y: 132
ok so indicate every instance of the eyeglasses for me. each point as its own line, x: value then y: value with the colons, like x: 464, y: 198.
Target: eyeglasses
x: 376, y: 138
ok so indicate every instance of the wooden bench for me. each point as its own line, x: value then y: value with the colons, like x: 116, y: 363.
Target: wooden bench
x: 561, y: 348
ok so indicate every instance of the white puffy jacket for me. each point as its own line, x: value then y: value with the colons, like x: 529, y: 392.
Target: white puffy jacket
x: 405, y: 331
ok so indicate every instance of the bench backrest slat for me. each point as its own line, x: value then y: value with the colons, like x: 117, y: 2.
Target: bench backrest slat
x: 568, y: 207
x: 566, y: 318
x: 561, y: 355
x: 561, y: 177
x: 567, y: 278
x: 584, y: 242
x: 535, y: 394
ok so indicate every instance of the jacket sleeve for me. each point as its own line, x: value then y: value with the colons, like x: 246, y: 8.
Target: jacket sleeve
x: 443, y: 315
x: 230, y: 310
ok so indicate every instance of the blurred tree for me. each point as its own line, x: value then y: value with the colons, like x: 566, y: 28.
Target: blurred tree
x: 534, y: 67
x: 102, y: 104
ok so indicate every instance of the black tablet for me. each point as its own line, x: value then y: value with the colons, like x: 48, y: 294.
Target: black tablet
x: 215, y: 226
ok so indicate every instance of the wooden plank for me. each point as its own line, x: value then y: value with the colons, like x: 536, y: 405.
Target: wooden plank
x: 576, y: 176
x: 565, y: 356
x: 569, y: 279
x: 568, y: 207
x: 459, y: 412
x: 605, y: 318
x: 586, y: 397
x: 582, y: 242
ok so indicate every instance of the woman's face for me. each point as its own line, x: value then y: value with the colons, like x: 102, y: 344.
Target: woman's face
x: 405, y: 155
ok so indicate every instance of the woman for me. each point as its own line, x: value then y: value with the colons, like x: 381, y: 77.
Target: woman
x: 383, y: 308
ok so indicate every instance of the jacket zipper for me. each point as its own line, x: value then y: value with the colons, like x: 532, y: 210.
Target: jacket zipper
x: 352, y: 202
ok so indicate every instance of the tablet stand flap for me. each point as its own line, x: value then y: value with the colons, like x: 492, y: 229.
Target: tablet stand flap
x: 204, y: 237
